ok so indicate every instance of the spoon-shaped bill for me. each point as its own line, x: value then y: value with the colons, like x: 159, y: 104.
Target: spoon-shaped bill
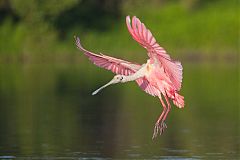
x: 99, y: 89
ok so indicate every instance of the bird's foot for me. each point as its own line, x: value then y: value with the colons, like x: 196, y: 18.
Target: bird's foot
x: 159, y: 128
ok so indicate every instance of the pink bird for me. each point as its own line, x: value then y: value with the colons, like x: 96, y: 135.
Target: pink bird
x: 159, y: 76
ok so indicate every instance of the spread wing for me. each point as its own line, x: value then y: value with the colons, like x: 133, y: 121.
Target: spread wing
x: 144, y: 37
x: 117, y: 66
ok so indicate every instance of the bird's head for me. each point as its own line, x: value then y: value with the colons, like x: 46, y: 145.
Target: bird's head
x: 116, y: 79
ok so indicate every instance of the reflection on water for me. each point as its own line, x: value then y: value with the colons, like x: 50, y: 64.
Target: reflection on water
x: 47, y: 112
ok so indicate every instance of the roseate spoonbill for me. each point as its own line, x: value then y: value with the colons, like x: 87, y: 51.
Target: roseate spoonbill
x: 160, y: 75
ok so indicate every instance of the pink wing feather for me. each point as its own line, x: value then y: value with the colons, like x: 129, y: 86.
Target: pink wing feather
x: 117, y: 66
x: 145, y: 38
x: 147, y: 87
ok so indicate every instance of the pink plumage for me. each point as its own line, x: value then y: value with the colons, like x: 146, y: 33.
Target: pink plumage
x: 145, y: 38
x: 117, y: 66
x: 162, y: 76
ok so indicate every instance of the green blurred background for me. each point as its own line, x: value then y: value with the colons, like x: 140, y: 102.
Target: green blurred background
x: 46, y: 107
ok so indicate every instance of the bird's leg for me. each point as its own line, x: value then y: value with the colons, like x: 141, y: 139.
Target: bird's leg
x: 168, y: 108
x: 160, y: 125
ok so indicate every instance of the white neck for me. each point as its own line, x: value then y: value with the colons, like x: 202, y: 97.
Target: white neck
x: 140, y: 73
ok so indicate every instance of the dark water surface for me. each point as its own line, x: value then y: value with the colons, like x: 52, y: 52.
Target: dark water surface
x: 47, y: 112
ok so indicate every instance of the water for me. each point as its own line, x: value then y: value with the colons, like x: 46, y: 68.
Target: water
x: 48, y: 112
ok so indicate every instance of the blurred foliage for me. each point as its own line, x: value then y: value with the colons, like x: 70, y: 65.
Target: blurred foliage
x: 89, y: 14
x: 44, y: 29
x: 38, y: 10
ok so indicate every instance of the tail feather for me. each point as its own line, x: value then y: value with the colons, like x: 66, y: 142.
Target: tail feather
x: 178, y: 100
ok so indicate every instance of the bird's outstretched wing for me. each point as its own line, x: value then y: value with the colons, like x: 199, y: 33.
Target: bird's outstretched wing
x: 117, y: 66
x: 145, y: 38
